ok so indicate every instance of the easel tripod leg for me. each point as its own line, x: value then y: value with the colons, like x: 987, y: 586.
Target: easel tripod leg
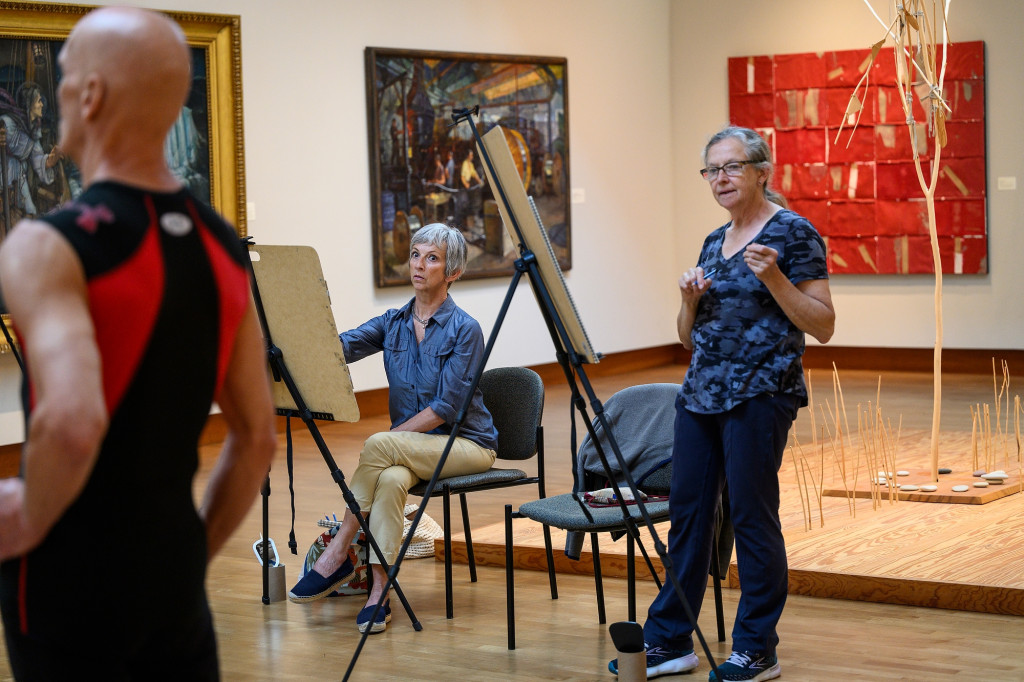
x: 353, y: 505
x: 265, y: 492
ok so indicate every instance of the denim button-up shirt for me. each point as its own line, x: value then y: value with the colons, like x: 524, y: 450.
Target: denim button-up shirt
x: 434, y: 373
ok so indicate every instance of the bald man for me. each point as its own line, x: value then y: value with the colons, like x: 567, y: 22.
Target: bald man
x: 132, y: 305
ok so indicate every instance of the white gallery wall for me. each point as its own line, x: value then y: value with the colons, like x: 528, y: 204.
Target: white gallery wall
x: 979, y: 311
x: 646, y: 87
x: 307, y: 170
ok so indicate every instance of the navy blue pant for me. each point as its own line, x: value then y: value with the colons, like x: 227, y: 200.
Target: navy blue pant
x: 743, y: 447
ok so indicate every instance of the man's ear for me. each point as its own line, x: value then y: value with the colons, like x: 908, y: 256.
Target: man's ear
x: 93, y: 96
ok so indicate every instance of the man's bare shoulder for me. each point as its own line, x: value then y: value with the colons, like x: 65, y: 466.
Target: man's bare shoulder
x: 28, y: 237
x: 35, y: 252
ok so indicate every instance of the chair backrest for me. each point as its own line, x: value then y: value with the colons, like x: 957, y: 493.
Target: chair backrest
x: 515, y: 398
x: 643, y: 421
x: 658, y: 481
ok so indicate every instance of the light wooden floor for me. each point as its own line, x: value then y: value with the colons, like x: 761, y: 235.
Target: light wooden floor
x: 822, y: 639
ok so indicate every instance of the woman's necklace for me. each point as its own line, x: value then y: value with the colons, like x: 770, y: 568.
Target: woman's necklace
x: 419, y: 319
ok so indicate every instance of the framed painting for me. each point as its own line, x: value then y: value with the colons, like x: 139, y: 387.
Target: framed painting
x: 205, y: 148
x: 424, y: 170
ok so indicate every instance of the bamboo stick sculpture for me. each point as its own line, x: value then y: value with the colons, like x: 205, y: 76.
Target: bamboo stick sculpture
x: 919, y: 71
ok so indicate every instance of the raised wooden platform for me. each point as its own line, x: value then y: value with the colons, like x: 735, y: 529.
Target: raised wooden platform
x: 945, y: 554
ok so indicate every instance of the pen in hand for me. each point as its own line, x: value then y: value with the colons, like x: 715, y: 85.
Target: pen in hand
x: 710, y: 273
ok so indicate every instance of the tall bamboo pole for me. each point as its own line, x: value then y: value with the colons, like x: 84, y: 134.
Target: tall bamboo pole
x: 915, y: 52
x: 937, y: 356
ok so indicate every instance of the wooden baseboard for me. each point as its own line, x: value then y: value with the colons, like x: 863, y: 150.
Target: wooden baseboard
x: 214, y: 432
x: 879, y: 359
x: 954, y: 360
x: 616, y: 363
x: 10, y: 460
x: 374, y: 402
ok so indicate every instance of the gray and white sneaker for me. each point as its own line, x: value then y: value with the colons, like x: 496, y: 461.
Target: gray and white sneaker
x: 748, y: 665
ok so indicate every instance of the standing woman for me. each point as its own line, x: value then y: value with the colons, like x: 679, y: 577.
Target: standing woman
x: 759, y: 285
x: 432, y: 349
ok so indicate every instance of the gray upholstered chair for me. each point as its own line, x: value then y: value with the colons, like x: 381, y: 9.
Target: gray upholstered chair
x: 642, y: 419
x: 515, y: 398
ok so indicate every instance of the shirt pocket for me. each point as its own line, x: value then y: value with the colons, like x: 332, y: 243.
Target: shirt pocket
x: 396, y: 354
x: 433, y: 358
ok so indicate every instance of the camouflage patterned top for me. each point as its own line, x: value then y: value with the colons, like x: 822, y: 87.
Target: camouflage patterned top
x: 743, y: 343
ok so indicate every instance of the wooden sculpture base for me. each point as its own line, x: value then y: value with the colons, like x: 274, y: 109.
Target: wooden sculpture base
x: 945, y: 493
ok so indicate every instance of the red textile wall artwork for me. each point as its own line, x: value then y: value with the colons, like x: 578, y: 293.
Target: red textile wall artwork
x: 862, y: 191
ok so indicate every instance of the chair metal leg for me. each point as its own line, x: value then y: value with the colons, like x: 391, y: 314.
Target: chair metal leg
x: 598, y: 583
x: 510, y: 592
x: 449, y: 606
x: 716, y: 580
x: 469, y: 538
x: 631, y: 576
x: 551, y: 562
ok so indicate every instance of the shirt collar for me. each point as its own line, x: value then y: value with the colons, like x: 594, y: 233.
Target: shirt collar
x: 441, y: 315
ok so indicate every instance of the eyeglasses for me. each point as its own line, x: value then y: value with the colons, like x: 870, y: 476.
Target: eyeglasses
x: 732, y: 169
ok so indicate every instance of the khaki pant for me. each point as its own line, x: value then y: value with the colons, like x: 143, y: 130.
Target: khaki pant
x: 394, y: 461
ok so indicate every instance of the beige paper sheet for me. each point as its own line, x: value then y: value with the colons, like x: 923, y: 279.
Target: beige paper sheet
x: 298, y: 311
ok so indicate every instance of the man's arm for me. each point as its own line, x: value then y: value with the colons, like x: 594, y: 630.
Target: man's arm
x: 245, y: 457
x: 45, y: 290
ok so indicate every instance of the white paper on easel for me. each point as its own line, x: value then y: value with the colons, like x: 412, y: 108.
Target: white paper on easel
x: 536, y: 239
x: 297, y: 306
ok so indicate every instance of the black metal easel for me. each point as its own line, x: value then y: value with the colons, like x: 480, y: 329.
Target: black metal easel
x: 280, y: 371
x: 572, y: 366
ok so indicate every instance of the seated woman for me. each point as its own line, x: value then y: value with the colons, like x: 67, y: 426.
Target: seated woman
x: 431, y: 350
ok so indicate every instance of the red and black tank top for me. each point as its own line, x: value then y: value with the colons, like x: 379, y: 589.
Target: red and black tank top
x: 168, y: 286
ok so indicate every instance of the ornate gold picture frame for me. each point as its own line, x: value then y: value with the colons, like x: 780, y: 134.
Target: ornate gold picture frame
x: 212, y: 157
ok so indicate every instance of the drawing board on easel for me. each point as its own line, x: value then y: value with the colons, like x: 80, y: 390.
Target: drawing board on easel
x: 535, y: 238
x: 297, y: 306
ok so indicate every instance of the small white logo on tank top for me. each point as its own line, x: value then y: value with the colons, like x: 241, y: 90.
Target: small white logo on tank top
x: 176, y: 224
